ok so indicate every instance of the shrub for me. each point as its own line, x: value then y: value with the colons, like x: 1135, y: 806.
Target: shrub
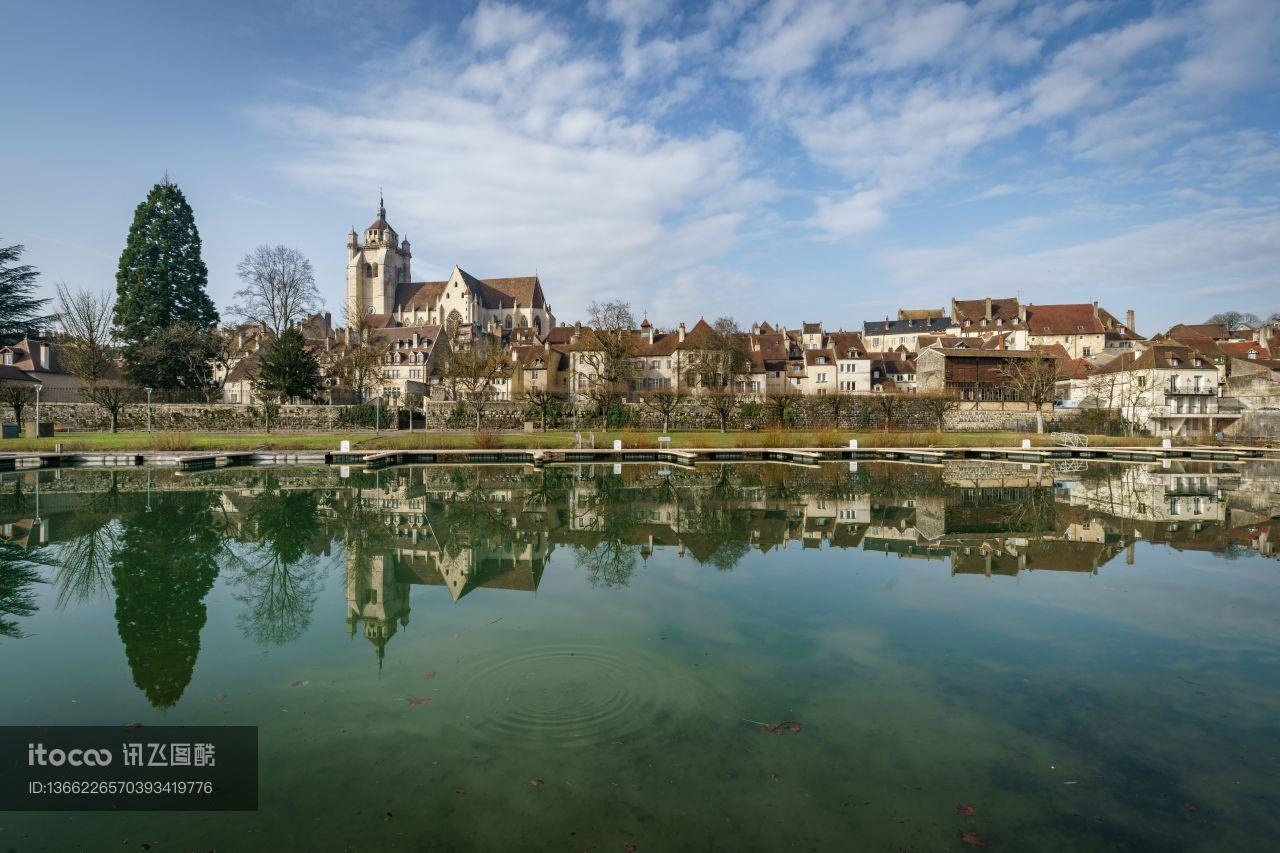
x: 174, y: 441
x: 829, y: 438
x: 486, y: 439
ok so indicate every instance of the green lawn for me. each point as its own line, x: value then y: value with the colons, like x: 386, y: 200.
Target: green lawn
x: 404, y: 440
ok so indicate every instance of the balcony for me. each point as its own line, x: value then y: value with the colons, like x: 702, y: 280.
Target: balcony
x: 1187, y: 390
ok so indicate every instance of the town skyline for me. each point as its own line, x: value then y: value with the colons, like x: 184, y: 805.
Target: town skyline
x: 769, y: 162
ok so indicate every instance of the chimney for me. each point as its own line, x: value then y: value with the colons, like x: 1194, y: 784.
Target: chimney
x: 1128, y: 319
x: 415, y: 339
x: 44, y: 355
x: 681, y: 338
x: 1095, y: 308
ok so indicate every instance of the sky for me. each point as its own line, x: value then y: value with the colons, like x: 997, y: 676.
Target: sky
x: 785, y: 160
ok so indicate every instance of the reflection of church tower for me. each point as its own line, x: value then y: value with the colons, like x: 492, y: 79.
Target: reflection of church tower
x: 376, y: 266
x: 376, y: 601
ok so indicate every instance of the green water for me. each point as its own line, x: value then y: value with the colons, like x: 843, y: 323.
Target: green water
x: 504, y: 658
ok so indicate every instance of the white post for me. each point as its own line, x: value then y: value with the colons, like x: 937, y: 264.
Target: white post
x: 1166, y: 443
x: 148, y: 410
x: 1026, y: 443
x: 853, y: 444
x: 345, y: 446
x: 39, y: 388
x: 617, y: 444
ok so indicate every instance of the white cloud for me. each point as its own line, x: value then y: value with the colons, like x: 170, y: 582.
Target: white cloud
x: 505, y: 172
x: 1181, y: 258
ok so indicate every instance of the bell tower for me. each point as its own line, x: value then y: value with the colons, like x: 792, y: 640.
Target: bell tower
x: 377, y: 263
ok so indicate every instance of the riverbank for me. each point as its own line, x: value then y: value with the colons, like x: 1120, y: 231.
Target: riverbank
x: 404, y: 440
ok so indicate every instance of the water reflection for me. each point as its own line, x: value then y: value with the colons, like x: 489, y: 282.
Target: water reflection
x: 158, y: 541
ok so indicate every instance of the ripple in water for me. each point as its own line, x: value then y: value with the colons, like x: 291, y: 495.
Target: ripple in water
x: 570, y: 695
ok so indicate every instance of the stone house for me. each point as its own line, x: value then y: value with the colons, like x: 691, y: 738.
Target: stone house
x: 41, y: 359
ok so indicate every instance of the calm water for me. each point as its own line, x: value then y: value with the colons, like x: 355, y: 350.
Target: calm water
x: 584, y: 658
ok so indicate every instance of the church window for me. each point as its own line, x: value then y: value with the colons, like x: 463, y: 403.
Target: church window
x: 507, y: 322
x: 368, y: 270
x: 375, y: 270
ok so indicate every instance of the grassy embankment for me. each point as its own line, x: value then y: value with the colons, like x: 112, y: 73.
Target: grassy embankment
x: 178, y: 441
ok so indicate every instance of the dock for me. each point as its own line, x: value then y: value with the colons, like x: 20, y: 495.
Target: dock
x: 683, y: 457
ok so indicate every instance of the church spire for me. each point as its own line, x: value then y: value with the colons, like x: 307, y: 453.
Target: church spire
x: 382, y: 208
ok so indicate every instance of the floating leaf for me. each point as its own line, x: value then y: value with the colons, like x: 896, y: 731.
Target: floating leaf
x: 221, y: 697
x: 967, y: 811
x: 779, y: 728
x: 1189, y: 807
x: 429, y: 674
x: 419, y: 700
x: 535, y: 782
x: 298, y: 683
x: 972, y: 838
x: 629, y: 848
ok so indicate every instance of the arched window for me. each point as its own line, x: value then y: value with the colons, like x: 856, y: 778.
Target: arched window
x: 368, y: 270
x: 507, y: 323
x: 524, y: 322
x: 375, y: 271
x: 537, y: 324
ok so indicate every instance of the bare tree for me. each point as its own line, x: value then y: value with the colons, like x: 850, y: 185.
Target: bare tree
x: 720, y: 364
x: 939, y: 405
x: 360, y: 365
x: 279, y: 288
x: 781, y: 403
x: 1034, y: 380
x: 88, y: 352
x: 836, y: 403
x: 606, y: 365
x: 1237, y: 320
x: 664, y: 402
x: 886, y: 404
x: 476, y: 370
x: 17, y: 396
x: 722, y: 402
x: 546, y: 402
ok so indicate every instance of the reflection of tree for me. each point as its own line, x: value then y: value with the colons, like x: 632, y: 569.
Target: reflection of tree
x: 17, y: 575
x: 278, y: 578
x: 92, y: 536
x: 610, y: 559
x: 164, y: 567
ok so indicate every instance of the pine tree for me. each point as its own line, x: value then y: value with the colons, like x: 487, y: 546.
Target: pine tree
x: 19, y: 308
x: 288, y: 369
x: 161, y: 280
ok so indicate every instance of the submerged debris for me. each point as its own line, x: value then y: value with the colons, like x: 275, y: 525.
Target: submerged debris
x: 967, y: 811
x: 418, y: 700
x: 972, y: 838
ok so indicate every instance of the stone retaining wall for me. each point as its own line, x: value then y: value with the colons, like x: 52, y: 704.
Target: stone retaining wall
x: 184, y: 417
x: 807, y: 413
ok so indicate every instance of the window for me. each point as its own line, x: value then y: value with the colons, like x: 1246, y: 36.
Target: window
x: 1086, y: 352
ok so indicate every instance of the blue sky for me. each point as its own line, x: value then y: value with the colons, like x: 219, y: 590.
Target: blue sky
x: 781, y: 160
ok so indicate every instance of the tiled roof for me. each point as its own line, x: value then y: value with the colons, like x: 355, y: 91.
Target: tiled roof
x: 9, y: 373
x: 906, y: 327
x: 1079, y: 319
x: 1007, y: 309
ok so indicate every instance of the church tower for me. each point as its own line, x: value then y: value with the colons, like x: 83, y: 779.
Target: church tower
x: 376, y: 266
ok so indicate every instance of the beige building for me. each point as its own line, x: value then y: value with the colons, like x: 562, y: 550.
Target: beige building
x: 380, y: 283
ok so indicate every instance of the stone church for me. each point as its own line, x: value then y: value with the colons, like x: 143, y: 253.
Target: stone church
x: 380, y: 283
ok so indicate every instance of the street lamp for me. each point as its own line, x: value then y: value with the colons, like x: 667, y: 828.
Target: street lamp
x: 39, y: 388
x: 148, y: 410
x: 395, y: 407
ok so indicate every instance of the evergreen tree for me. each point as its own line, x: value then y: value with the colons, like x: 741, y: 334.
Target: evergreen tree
x: 288, y: 369
x: 161, y: 282
x: 19, y: 308
x: 162, y: 570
